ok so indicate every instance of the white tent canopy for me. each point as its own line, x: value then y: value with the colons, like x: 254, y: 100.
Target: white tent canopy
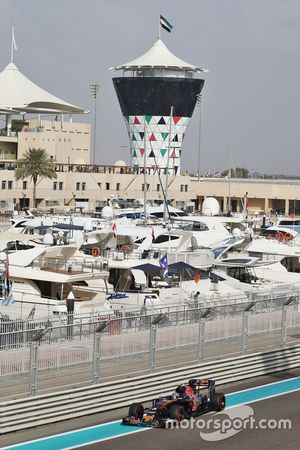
x: 159, y: 56
x: 20, y: 95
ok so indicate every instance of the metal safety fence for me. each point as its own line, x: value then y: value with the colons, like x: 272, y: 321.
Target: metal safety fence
x: 40, y: 355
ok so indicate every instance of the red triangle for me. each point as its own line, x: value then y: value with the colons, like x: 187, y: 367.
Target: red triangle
x: 173, y: 155
x: 142, y: 151
x: 136, y: 121
x: 176, y: 119
x: 152, y: 137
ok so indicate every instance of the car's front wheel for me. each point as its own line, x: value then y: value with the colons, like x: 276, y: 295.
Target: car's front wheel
x: 136, y: 410
x: 177, y: 413
x: 218, y: 402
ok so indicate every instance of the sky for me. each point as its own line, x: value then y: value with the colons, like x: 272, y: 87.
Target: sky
x: 251, y: 96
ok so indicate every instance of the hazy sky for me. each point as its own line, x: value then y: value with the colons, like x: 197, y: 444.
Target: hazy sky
x: 251, y: 100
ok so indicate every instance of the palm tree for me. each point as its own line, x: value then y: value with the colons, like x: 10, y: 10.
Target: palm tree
x: 34, y: 164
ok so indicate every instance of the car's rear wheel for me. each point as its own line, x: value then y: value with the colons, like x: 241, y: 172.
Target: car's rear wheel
x: 177, y: 413
x: 218, y: 402
x: 136, y: 410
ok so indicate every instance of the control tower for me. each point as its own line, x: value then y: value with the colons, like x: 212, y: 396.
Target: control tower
x: 157, y: 93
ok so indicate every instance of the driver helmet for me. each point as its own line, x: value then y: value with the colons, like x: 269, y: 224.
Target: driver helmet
x: 180, y: 389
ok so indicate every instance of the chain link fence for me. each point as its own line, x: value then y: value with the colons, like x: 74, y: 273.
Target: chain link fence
x: 43, y: 355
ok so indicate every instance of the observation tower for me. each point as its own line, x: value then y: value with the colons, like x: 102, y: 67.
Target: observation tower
x: 157, y: 95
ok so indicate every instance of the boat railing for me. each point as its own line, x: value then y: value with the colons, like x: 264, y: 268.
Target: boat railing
x: 71, y: 265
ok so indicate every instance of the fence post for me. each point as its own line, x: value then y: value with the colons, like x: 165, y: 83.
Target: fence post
x: 244, y: 332
x: 97, y: 349
x: 152, y: 347
x: 201, y: 339
x: 96, y: 357
x: 33, y: 367
x: 283, y: 326
x: 245, y: 326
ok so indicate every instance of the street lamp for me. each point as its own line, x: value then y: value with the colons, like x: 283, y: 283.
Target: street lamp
x: 199, y: 101
x: 94, y: 87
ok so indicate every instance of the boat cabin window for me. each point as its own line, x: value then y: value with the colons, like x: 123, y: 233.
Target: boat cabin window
x: 240, y: 273
x: 290, y: 222
x: 165, y: 238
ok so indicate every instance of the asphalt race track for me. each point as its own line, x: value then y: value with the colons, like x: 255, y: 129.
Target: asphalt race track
x: 280, y: 399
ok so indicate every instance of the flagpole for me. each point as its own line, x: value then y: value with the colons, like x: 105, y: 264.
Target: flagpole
x: 159, y: 28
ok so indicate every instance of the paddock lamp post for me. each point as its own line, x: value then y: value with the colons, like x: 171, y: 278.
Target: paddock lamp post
x: 94, y: 88
x: 33, y: 359
x: 97, y: 349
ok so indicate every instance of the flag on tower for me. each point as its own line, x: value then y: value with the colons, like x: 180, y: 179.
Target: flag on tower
x: 14, y: 39
x: 165, y: 24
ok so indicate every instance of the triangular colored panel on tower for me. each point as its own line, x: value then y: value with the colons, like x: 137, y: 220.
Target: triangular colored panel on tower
x: 136, y: 121
x: 126, y: 118
x: 133, y: 138
x: 161, y: 121
x: 164, y: 135
x: 142, y: 151
x: 134, y: 154
x: 141, y: 133
x: 151, y: 155
x: 163, y: 151
x: 175, y: 139
x: 152, y: 137
x: 148, y: 118
x: 173, y: 154
x: 176, y: 119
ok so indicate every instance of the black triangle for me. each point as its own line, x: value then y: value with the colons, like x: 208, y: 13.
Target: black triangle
x: 141, y: 133
x: 151, y: 154
x: 161, y: 121
x: 175, y: 138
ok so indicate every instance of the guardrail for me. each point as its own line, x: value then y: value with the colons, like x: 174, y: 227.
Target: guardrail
x: 45, y: 409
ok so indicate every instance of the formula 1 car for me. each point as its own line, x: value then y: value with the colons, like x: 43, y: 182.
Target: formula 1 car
x: 187, y: 401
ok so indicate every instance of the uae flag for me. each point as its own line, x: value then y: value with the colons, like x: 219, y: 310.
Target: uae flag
x: 165, y: 24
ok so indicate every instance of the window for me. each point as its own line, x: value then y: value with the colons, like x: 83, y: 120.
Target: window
x: 181, y: 188
x: 147, y: 187
x: 77, y: 186
x: 158, y: 187
x: 3, y: 185
x: 9, y: 184
x: 61, y: 185
x: 107, y: 186
x: 24, y: 185
x: 186, y: 187
x: 99, y: 184
x: 55, y: 186
x: 165, y: 238
x: 83, y: 186
x: 118, y: 186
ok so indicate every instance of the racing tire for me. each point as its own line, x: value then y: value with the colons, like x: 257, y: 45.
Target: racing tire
x: 136, y: 410
x: 177, y: 413
x: 217, y: 402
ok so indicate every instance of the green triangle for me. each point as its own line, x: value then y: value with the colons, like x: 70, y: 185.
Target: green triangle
x: 134, y: 153
x: 164, y: 135
x: 163, y: 151
x: 133, y: 137
x: 148, y: 118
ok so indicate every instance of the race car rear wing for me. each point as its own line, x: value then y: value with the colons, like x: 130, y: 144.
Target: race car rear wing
x: 203, y: 382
